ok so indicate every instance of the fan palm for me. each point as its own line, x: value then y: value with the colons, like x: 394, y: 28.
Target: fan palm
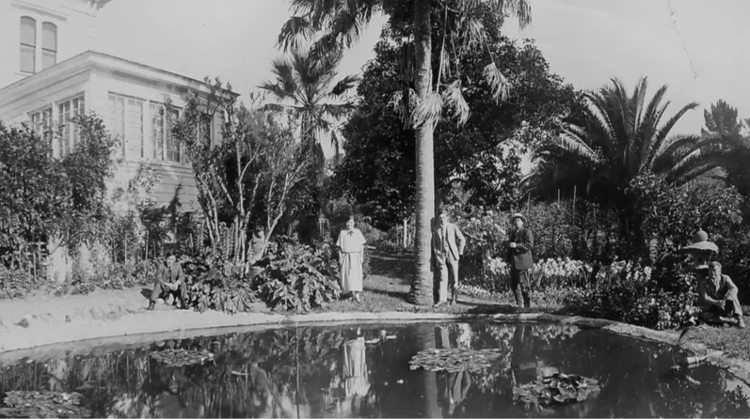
x: 460, y: 20
x: 305, y: 87
x: 619, y: 136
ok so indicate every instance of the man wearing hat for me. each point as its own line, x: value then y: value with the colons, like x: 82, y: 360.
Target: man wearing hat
x: 520, y: 260
x: 717, y: 293
x: 717, y: 298
x: 447, y: 247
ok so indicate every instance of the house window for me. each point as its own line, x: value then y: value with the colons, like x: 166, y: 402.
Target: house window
x: 49, y: 45
x: 127, y: 123
x: 41, y: 122
x: 69, y: 133
x: 117, y: 119
x: 165, y: 147
x: 174, y: 148
x: 28, y: 45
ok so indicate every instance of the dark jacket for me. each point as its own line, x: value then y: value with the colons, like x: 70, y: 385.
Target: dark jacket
x: 163, y: 273
x: 520, y: 258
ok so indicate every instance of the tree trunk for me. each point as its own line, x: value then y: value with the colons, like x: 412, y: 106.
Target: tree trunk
x: 421, y: 286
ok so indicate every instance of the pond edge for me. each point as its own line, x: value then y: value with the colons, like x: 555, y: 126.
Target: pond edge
x: 22, y: 342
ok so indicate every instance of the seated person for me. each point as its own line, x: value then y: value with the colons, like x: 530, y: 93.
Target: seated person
x: 170, y: 279
x: 717, y: 297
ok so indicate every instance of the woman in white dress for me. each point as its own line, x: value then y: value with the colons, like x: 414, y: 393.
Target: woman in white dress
x: 351, y: 244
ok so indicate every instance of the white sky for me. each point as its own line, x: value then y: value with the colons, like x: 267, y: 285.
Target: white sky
x: 694, y: 46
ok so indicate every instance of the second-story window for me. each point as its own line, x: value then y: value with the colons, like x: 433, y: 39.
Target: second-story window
x: 49, y: 45
x: 28, y: 45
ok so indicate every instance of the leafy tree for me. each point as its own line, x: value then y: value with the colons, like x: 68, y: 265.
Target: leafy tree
x: 615, y: 138
x: 343, y: 21
x: 733, y: 151
x: 481, y: 159
x: 246, y: 177
x: 46, y: 198
x: 722, y: 119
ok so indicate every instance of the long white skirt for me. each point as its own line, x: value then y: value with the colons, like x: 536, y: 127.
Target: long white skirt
x: 351, y: 272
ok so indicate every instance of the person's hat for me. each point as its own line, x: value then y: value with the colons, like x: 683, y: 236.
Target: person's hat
x: 701, y: 244
x: 518, y: 215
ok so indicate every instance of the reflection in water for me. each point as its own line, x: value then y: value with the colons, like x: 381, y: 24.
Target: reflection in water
x: 349, y: 371
x: 454, y: 386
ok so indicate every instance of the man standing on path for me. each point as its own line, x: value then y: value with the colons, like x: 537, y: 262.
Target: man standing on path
x: 520, y: 260
x: 447, y: 247
x: 169, y: 279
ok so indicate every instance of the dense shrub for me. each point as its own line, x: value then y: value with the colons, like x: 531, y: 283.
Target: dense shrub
x: 15, y: 283
x: 546, y: 274
x: 299, y: 277
x: 486, y: 239
x: 108, y: 276
x: 392, y: 241
x: 644, y: 305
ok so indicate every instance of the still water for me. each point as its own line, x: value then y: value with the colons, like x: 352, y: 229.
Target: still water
x: 363, y: 371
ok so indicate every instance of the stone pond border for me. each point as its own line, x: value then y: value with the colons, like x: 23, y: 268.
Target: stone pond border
x: 50, y: 339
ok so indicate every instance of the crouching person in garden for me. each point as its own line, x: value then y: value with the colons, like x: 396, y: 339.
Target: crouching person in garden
x: 717, y: 298
x: 170, y: 279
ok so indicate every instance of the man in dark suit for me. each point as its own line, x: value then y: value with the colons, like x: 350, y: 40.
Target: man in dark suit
x: 169, y: 279
x: 520, y: 260
x: 447, y: 248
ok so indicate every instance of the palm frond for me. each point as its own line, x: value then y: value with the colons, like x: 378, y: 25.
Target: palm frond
x: 273, y: 108
x: 428, y: 110
x: 336, y: 110
x: 284, y: 72
x: 397, y: 103
x: 497, y: 81
x: 521, y: 9
x: 336, y: 145
x: 454, y: 101
x: 475, y: 34
x: 295, y: 34
x: 275, y: 89
x: 573, y: 144
x: 345, y: 84
x: 664, y: 130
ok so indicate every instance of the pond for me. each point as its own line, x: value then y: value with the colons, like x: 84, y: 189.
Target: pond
x: 364, y: 371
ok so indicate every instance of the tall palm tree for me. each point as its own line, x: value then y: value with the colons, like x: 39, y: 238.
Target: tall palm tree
x: 618, y: 136
x: 344, y: 21
x: 306, y: 89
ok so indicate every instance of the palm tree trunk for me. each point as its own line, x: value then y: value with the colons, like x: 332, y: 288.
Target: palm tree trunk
x: 421, y: 286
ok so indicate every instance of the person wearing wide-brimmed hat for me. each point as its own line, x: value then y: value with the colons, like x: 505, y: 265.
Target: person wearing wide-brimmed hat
x: 701, y: 250
x: 520, y: 260
x: 717, y: 293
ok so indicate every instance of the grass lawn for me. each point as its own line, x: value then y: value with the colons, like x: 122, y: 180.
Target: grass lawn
x: 734, y: 342
x: 387, y: 288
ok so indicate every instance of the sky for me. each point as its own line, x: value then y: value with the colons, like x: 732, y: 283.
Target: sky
x: 694, y: 46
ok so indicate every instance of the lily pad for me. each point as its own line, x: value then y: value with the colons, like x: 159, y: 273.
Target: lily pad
x: 557, y: 388
x: 182, y: 357
x: 454, y: 360
x: 43, y: 404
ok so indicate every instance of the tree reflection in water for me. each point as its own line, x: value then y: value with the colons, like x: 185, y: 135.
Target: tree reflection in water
x: 351, y: 371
